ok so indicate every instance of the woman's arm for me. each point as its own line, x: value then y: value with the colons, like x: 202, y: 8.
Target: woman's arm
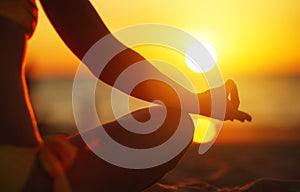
x: 77, y: 23
x: 80, y: 27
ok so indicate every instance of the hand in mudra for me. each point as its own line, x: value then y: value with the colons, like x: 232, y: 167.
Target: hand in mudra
x: 232, y: 102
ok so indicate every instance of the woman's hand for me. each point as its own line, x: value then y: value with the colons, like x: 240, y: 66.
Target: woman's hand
x: 232, y: 102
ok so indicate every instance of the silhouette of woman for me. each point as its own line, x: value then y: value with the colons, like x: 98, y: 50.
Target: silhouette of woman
x: 80, y: 27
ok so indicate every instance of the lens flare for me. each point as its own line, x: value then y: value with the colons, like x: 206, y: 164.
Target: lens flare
x: 205, y: 130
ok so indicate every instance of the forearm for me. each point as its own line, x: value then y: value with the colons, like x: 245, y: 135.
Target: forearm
x: 156, y: 85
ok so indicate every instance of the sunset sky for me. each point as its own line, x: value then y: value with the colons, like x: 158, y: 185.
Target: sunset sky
x: 249, y: 37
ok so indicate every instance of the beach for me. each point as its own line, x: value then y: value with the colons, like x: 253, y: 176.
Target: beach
x: 229, y: 167
x: 264, y: 153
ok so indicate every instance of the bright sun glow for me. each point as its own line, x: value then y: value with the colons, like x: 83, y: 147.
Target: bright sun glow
x: 205, y: 130
x: 197, y: 60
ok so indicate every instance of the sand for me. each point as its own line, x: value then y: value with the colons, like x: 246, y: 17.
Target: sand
x: 236, y: 167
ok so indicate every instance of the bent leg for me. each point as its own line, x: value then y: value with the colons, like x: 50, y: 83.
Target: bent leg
x: 91, y: 173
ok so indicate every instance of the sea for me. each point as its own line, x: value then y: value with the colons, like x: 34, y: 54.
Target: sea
x: 271, y: 101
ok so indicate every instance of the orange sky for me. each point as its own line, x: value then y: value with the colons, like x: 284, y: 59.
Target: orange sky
x: 250, y: 37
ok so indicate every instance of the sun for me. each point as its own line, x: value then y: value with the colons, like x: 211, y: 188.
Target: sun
x: 200, y: 57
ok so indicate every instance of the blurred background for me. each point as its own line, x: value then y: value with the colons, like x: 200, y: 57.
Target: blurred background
x: 257, y: 44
